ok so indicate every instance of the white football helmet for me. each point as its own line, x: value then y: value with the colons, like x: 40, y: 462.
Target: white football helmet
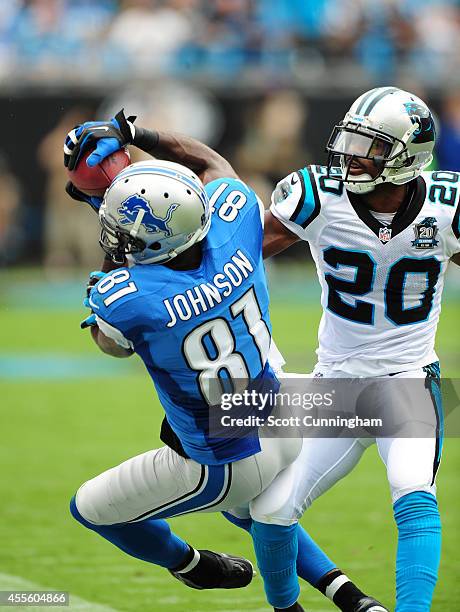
x: 153, y: 211
x: 392, y: 127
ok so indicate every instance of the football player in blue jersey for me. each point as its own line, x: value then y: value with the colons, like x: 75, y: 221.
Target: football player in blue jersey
x: 193, y: 304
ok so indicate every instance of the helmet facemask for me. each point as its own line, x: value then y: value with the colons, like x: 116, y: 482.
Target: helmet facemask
x: 117, y: 242
x: 351, y: 141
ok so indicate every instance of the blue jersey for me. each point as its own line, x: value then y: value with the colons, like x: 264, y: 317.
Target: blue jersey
x: 197, y: 326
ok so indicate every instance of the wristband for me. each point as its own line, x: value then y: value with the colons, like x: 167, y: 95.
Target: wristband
x: 146, y: 140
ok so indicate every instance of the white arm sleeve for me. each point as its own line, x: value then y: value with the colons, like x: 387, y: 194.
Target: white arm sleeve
x: 113, y: 333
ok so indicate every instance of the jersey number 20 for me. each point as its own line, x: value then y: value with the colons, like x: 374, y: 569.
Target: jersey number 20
x: 362, y: 311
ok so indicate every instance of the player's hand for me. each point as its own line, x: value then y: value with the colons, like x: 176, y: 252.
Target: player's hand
x: 106, y: 136
x: 94, y: 201
x: 94, y: 278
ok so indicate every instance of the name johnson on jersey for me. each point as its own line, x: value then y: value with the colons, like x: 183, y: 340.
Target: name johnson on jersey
x: 204, y: 296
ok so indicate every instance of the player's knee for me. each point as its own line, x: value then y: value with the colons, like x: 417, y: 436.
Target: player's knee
x: 405, y: 482
x: 75, y: 512
x: 277, y: 510
x: 402, y: 488
x: 280, y: 503
x: 89, y: 510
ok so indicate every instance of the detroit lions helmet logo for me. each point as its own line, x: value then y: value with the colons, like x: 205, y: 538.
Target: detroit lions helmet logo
x: 153, y: 224
x: 422, y: 117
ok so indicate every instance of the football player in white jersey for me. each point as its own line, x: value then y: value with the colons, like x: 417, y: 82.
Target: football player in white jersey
x: 382, y: 232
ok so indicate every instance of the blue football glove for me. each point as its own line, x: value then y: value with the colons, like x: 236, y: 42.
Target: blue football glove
x: 94, y: 278
x: 105, y: 136
x: 94, y: 201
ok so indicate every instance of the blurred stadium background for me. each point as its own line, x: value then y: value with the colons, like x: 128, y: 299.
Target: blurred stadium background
x: 262, y: 81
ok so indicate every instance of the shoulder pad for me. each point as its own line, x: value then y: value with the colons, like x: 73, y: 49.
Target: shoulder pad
x: 230, y: 197
x: 296, y: 198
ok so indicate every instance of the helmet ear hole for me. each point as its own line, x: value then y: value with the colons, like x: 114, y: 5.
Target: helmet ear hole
x: 155, y: 246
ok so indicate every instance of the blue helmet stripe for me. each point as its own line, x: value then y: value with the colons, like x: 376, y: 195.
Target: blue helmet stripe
x: 197, y: 188
x: 162, y: 172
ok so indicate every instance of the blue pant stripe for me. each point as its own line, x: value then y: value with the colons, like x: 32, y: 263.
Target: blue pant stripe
x: 227, y: 483
x: 195, y: 491
x: 212, y: 488
x: 211, y: 494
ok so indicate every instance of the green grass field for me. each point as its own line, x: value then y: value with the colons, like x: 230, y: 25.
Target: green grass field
x: 59, y: 427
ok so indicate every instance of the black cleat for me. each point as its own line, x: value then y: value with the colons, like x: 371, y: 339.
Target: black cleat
x: 217, y: 571
x: 368, y: 604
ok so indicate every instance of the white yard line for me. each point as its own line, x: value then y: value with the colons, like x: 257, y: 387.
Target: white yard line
x: 17, y: 583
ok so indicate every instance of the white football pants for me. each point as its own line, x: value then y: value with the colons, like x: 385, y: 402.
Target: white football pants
x: 162, y: 484
x: 411, y: 463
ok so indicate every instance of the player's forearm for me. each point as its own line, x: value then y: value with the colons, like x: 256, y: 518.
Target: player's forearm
x: 107, y: 345
x: 197, y: 156
x: 188, y: 151
x: 277, y: 237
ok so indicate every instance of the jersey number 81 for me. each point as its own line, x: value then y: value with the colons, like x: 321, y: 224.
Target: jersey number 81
x: 227, y: 360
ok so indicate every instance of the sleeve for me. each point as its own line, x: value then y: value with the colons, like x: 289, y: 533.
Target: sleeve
x: 115, y: 334
x: 111, y: 300
x: 229, y: 196
x: 296, y: 203
x: 237, y: 211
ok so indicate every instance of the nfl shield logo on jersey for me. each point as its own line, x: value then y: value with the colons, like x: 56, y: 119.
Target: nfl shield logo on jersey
x: 384, y: 234
x: 425, y: 234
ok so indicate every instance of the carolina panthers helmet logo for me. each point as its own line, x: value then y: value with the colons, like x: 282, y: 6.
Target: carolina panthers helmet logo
x: 421, y: 116
x: 130, y: 208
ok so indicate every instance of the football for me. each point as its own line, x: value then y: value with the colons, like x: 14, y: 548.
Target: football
x: 95, y: 180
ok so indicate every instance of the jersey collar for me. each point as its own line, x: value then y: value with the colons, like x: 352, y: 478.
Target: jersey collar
x: 408, y: 212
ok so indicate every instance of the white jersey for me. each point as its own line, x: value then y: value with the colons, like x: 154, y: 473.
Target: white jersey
x: 381, y: 283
